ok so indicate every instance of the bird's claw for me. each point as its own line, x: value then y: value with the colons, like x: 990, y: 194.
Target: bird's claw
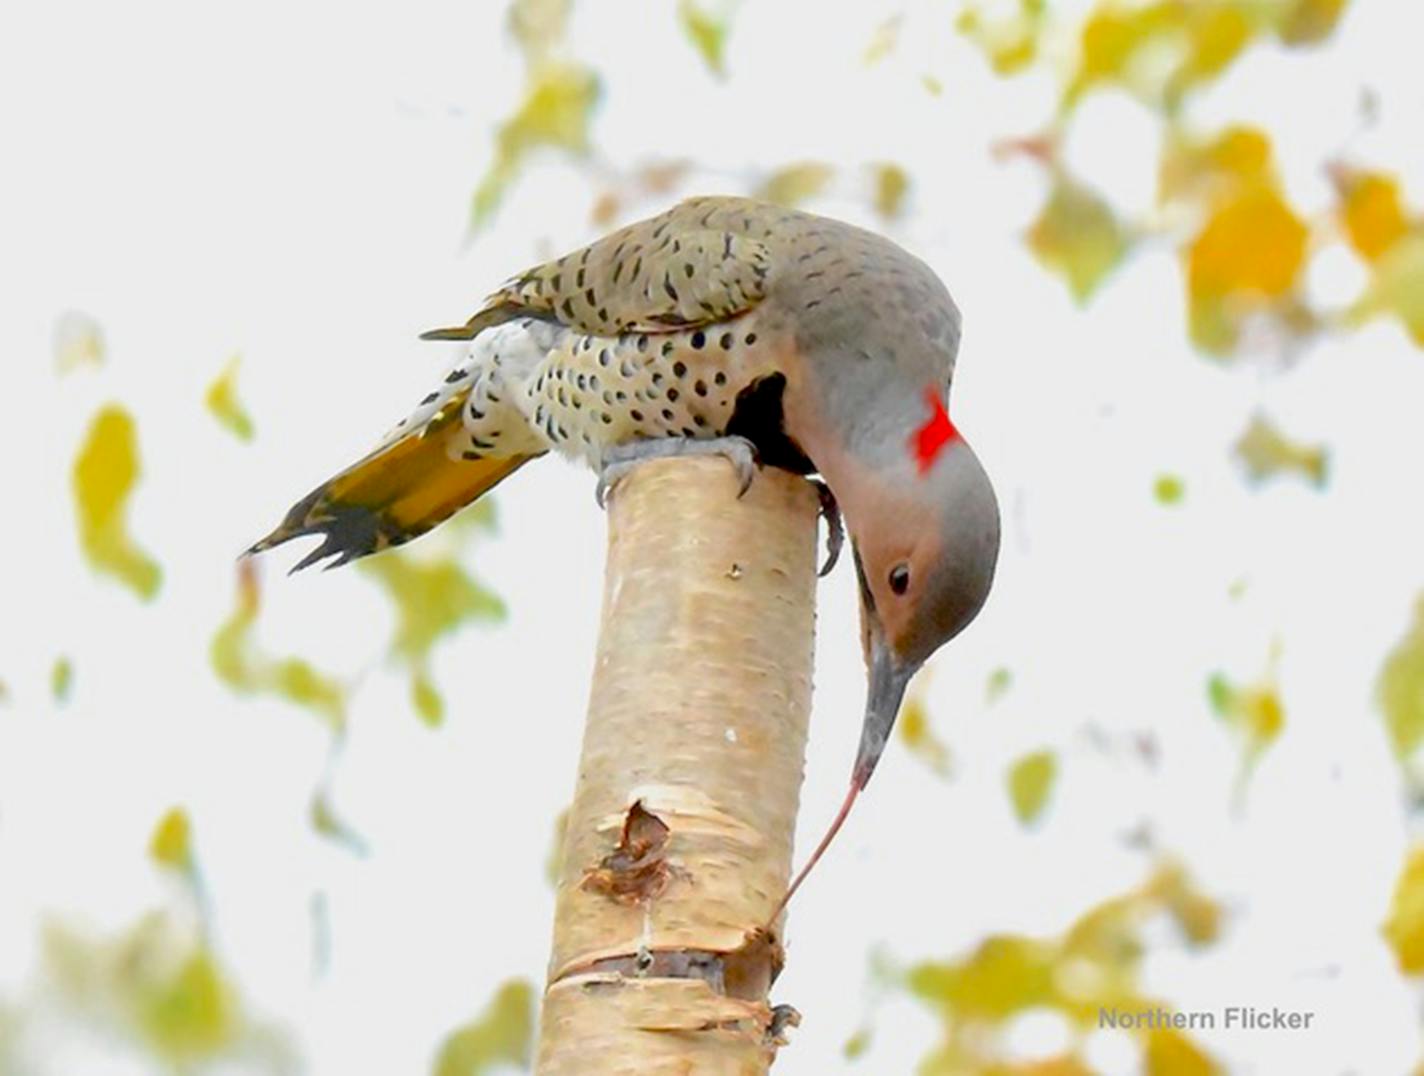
x: 620, y: 459
x: 835, y: 532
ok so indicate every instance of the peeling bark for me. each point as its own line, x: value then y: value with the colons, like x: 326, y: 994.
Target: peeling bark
x: 678, y: 843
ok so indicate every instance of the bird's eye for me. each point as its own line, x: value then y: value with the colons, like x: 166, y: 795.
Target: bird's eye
x: 900, y: 578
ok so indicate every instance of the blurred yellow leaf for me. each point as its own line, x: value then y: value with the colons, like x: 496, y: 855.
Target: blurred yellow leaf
x: 1253, y: 244
x: 248, y: 670
x: 1404, y: 928
x: 61, y: 679
x: 892, y: 183
x: 795, y: 183
x: 707, y: 32
x: 1371, y: 210
x: 1159, y: 50
x: 1078, y: 235
x: 1005, y: 974
x: 1254, y: 713
x: 171, y: 842
x: 1197, y: 915
x: 432, y: 599
x: 1214, y: 168
x: 1094, y: 965
x: 1010, y: 42
x: 538, y: 26
x: 1169, y: 489
x: 558, y: 103
x: 221, y: 400
x: 1031, y: 781
x: 1400, y: 689
x: 1398, y: 287
x: 78, y: 342
x: 1265, y: 452
x: 1307, y: 22
x: 916, y: 734
x: 1170, y: 1053
x: 884, y: 40
x: 105, y: 474
x: 425, y: 696
x: 502, y: 1034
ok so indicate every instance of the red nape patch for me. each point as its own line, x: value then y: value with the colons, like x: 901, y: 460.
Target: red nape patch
x: 929, y: 440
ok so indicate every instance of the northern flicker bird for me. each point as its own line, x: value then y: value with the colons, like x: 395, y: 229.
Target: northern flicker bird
x: 723, y: 325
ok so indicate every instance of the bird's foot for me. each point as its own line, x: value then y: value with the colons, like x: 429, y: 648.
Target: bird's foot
x: 835, y: 532
x: 620, y: 459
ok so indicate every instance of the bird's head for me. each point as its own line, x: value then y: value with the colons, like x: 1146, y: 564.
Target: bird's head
x: 925, y: 529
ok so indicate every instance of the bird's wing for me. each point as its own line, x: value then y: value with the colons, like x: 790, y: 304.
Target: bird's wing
x: 692, y: 265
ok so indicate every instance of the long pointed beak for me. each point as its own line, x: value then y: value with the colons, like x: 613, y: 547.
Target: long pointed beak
x: 888, y: 679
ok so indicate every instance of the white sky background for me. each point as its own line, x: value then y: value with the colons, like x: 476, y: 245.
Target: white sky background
x: 291, y: 182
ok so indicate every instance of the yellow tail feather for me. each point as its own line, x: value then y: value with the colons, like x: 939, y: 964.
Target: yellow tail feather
x: 397, y: 493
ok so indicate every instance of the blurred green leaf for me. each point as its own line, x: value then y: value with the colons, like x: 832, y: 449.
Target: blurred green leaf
x: 158, y: 983
x: 1078, y: 235
x: 330, y: 825
x: 998, y: 684
x: 856, y: 1046
x: 1265, y: 452
x: 1400, y: 688
x: 105, y: 474
x: 61, y: 679
x: 502, y: 1034
x: 222, y: 402
x: 1031, y: 781
x: 1397, y: 287
x: 190, y: 1014
x: 78, y: 342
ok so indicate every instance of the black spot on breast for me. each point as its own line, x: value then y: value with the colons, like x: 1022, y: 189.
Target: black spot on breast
x: 757, y: 416
x: 699, y: 338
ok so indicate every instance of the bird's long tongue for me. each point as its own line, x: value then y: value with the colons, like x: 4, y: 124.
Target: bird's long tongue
x: 882, y: 704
